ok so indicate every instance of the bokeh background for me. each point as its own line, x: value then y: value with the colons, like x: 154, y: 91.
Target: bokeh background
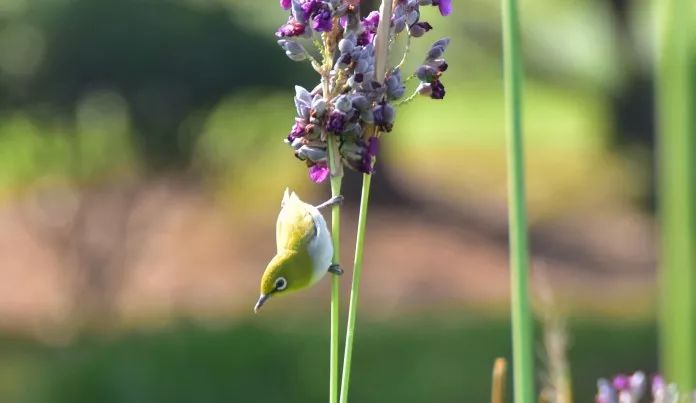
x: 142, y: 165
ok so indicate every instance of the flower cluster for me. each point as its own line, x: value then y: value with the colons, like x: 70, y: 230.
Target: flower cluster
x: 632, y: 388
x: 352, y: 103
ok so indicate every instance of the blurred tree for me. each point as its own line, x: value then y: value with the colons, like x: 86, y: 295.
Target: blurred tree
x: 170, y: 60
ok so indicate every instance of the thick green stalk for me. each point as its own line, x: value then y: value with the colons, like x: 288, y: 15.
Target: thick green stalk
x: 335, y: 280
x: 676, y: 96
x: 522, y: 336
x: 355, y: 287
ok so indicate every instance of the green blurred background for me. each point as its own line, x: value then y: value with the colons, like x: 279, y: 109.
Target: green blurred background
x: 142, y: 164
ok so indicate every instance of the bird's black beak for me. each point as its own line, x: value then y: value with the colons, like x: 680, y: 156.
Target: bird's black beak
x: 262, y: 300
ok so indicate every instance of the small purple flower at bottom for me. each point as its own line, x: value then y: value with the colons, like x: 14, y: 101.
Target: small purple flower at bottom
x: 438, y: 90
x: 445, y: 6
x: 319, y: 172
x: 419, y: 29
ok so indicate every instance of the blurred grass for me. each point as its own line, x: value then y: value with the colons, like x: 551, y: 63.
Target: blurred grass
x: 410, y: 359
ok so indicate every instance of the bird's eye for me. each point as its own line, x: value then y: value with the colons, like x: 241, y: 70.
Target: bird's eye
x: 281, y: 283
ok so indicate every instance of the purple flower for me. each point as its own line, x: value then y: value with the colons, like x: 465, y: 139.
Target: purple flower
x: 319, y: 172
x: 438, y: 90
x: 621, y: 382
x: 419, y: 29
x: 336, y: 122
x: 322, y: 21
x: 291, y: 28
x: 368, y: 159
x: 445, y: 6
x: 297, y: 130
x: 384, y: 115
x: 286, y: 4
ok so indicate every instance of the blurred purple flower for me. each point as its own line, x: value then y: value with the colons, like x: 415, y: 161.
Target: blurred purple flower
x: 319, y: 172
x: 445, y: 6
x: 286, y: 4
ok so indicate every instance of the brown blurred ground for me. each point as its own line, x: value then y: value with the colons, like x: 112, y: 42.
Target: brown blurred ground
x: 164, y: 249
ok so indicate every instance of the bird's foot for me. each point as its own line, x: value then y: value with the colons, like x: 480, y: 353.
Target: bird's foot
x: 336, y: 200
x: 336, y: 269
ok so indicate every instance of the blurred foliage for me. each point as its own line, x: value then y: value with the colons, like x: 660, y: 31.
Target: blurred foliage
x: 168, y: 62
x: 420, y: 360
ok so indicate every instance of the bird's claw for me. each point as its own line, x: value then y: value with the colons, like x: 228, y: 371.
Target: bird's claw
x: 336, y: 200
x: 336, y: 269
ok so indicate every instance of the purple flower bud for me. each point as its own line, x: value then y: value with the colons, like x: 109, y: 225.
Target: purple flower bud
x: 438, y: 90
x: 435, y: 53
x: 419, y: 29
x: 384, y: 115
x: 371, y: 21
x: 346, y: 46
x: 412, y: 17
x: 303, y: 102
x: 293, y: 50
x: 621, y: 382
x: 343, y: 104
x: 395, y: 88
x: 322, y: 21
x: 360, y: 102
x: 425, y: 89
x: 399, y: 24
x: 445, y: 6
x: 605, y: 393
x: 297, y: 130
x: 319, y: 106
x: 336, y: 122
x: 426, y: 74
x: 286, y: 4
x: 443, y: 43
x: 313, y: 154
x: 319, y: 172
x: 291, y: 28
x: 637, y: 385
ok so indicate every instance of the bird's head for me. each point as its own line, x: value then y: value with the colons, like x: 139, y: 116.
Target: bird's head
x: 282, y: 275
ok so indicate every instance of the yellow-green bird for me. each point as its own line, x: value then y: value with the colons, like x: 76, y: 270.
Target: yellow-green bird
x: 304, y: 248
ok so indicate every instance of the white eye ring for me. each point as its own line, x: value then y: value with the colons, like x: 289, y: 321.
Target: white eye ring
x: 281, y: 283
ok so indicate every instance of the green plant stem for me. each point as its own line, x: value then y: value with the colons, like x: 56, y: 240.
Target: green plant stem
x: 355, y: 286
x: 676, y: 97
x: 522, y: 337
x: 335, y: 280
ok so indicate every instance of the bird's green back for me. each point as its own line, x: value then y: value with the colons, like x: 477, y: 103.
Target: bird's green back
x: 295, y: 226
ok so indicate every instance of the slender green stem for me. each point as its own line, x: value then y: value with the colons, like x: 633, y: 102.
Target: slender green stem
x: 335, y: 280
x: 336, y: 172
x: 522, y: 337
x: 676, y: 96
x: 355, y: 287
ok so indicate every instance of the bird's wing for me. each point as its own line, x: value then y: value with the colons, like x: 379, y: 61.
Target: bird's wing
x: 295, y: 226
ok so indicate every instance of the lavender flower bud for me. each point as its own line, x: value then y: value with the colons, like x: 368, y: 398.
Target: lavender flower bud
x: 637, y: 385
x: 367, y: 116
x: 435, y: 52
x: 360, y: 102
x: 343, y: 104
x: 395, y: 89
x: 424, y: 89
x: 426, y: 74
x: 412, y: 17
x: 310, y: 153
x: 361, y: 66
x: 605, y: 393
x: 346, y: 46
x: 419, y: 29
x: 319, y: 106
x: 286, y: 4
x: 399, y: 24
x: 443, y: 43
x: 303, y: 101
x: 293, y: 50
x: 384, y: 115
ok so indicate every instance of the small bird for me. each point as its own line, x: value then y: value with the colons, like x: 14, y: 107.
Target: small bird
x: 304, y: 248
